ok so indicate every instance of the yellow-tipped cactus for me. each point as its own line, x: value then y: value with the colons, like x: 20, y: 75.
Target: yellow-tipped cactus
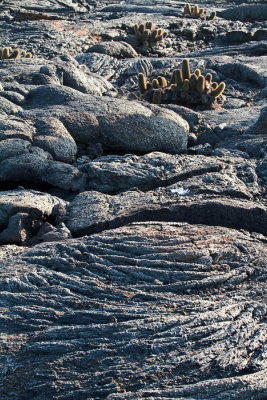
x: 28, y: 55
x: 5, y: 53
x: 155, y: 84
x: 162, y: 81
x: 142, y: 83
x: 212, y: 16
x: 196, y: 10
x: 186, y: 69
x: 219, y: 90
x: 208, y: 77
x: 156, y: 96
x: 187, y: 9
x: 15, y: 54
x: 197, y: 72
x: 149, y: 25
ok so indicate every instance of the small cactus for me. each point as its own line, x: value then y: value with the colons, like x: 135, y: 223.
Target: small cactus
x: 219, y: 90
x: 147, y: 35
x: 142, y: 83
x: 208, y: 77
x: 6, y: 53
x: 186, y: 69
x: 15, y: 54
x: 201, y: 84
x: 197, y: 72
x: 196, y: 12
x: 156, y: 96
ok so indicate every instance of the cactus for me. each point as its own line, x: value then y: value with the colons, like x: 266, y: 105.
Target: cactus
x: 212, y: 16
x: 186, y: 85
x: 142, y: 83
x: 184, y: 88
x: 15, y: 54
x: 186, y: 69
x: 208, y: 77
x: 7, y: 53
x: 196, y: 12
x: 147, y: 35
x: 201, y: 84
x: 162, y: 81
x: 149, y: 25
x: 155, y: 84
x: 156, y: 96
x: 193, y: 82
x: 219, y: 90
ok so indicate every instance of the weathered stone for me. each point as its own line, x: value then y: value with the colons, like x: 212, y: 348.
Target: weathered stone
x: 114, y: 49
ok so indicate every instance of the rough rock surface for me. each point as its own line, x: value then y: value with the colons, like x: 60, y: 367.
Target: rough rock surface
x: 132, y: 236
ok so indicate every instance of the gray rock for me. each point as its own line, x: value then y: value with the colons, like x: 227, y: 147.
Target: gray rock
x: 114, y: 49
x: 253, y: 12
x: 92, y: 212
x: 238, y: 36
x: 260, y: 126
x: 114, y: 310
x: 90, y: 119
x: 8, y: 107
x: 53, y: 137
x: 22, y: 212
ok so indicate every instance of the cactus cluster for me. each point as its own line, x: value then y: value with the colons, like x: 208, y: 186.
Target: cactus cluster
x: 196, y: 12
x: 148, y: 35
x: 184, y: 88
x: 6, y: 53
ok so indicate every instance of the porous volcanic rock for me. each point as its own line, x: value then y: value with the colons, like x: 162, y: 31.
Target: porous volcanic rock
x: 132, y: 235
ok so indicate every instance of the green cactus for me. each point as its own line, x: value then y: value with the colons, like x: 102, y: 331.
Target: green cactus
x: 5, y: 53
x: 156, y: 96
x: 186, y: 85
x: 201, y: 84
x: 193, y: 82
x: 147, y: 35
x: 15, y: 54
x: 149, y: 25
x: 142, y: 83
x: 162, y: 81
x: 212, y: 16
x: 155, y: 84
x: 187, y: 9
x: 196, y: 10
x: 219, y: 90
x: 186, y: 69
x: 208, y: 77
